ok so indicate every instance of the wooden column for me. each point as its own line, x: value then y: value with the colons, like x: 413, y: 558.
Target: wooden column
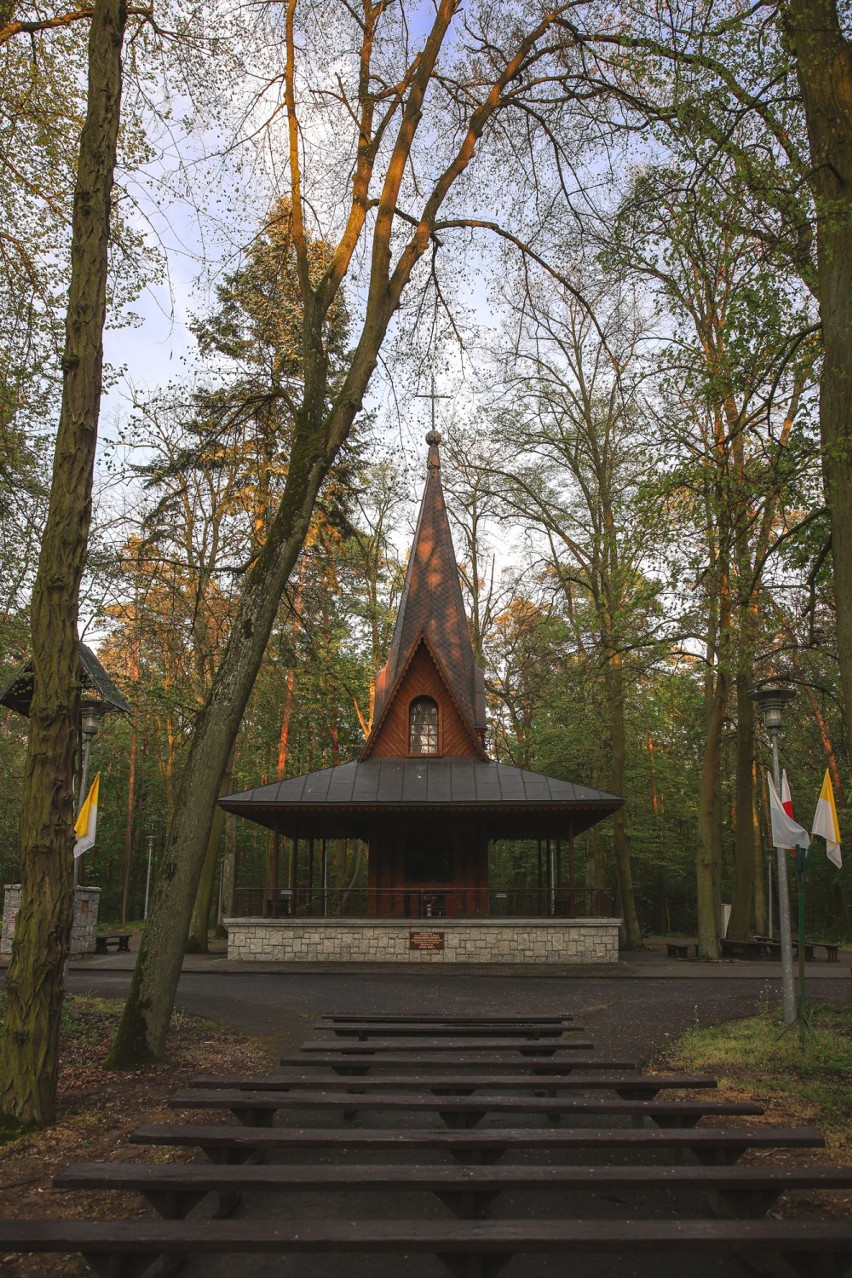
x: 571, y: 881
x: 325, y: 878
x: 541, y: 909
x: 294, y: 882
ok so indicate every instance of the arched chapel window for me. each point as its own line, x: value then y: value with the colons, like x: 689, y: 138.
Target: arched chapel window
x: 423, y: 726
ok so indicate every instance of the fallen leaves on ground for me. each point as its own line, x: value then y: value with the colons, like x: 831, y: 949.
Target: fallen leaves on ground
x: 98, y: 1110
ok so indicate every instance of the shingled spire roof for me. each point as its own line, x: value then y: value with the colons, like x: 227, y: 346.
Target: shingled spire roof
x: 432, y: 608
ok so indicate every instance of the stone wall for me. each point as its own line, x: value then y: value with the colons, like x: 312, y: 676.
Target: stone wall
x: 85, y: 926
x: 423, y: 941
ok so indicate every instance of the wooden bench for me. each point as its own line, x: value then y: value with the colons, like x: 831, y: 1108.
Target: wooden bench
x: 681, y: 949
x: 431, y: 1029
x: 625, y: 1085
x: 745, y: 1192
x: 831, y: 951
x: 715, y: 1146
x: 774, y: 950
x: 434, y: 1019
x: 346, y: 1065
x: 744, y: 949
x: 121, y: 941
x: 448, y: 1043
x: 259, y: 1108
x: 469, y: 1249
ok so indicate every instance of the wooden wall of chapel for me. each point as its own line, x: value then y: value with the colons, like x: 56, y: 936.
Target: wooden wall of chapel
x: 422, y: 680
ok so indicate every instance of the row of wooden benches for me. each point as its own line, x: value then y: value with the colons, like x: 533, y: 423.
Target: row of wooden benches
x: 760, y: 947
x: 392, y: 1081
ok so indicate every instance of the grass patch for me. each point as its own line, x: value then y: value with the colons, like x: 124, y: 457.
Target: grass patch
x: 754, y: 1057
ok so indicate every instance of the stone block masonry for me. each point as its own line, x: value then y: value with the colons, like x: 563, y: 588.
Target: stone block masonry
x: 85, y: 918
x: 434, y: 941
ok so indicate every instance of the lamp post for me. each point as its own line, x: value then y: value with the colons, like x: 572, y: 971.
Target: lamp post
x: 90, y: 716
x: 772, y: 699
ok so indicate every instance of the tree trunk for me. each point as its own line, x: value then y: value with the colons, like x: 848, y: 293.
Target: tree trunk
x: 824, y: 68
x: 623, y: 869
x: 708, y: 945
x: 34, y: 983
x: 741, y: 927
x: 197, y: 941
x: 229, y: 874
x: 319, y: 432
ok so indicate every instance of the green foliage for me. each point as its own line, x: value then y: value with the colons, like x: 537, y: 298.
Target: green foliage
x: 811, y: 1077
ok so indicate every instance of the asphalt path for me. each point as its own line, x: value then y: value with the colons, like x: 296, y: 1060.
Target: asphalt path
x: 632, y: 1017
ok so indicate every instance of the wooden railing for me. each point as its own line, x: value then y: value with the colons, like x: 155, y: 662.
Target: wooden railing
x: 425, y: 903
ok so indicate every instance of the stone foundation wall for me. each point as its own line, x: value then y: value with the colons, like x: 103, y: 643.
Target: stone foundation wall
x: 85, y: 918
x: 392, y: 940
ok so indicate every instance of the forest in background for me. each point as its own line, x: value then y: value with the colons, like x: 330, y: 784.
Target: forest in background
x: 632, y: 451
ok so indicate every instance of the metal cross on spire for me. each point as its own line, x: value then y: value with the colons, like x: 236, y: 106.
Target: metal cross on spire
x: 433, y: 396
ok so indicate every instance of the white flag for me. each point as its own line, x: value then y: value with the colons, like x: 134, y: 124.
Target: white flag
x: 786, y: 833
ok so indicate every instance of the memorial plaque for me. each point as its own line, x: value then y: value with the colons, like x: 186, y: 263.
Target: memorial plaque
x: 425, y: 940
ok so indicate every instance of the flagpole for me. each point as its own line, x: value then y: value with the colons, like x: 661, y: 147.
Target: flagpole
x: 89, y: 717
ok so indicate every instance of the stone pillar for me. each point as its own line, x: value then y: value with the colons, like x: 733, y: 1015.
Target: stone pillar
x: 85, y: 926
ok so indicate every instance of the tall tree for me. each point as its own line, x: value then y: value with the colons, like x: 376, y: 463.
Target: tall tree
x: 390, y: 94
x: 731, y: 394
x: 575, y: 475
x: 823, y: 57
x: 34, y: 985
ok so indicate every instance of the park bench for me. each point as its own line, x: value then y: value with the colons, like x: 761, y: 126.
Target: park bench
x: 449, y: 1021
x: 121, y: 941
x: 347, y: 1065
x: 259, y: 1108
x: 681, y: 949
x: 430, y: 1029
x: 625, y: 1085
x: 172, y: 1191
x: 756, y: 949
x: 448, y: 1043
x: 773, y: 949
x: 715, y: 1146
x: 469, y: 1249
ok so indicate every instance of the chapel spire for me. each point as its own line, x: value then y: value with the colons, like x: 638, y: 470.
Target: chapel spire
x: 431, y: 613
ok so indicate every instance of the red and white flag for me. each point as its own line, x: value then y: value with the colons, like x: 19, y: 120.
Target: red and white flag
x: 786, y: 833
x: 786, y: 797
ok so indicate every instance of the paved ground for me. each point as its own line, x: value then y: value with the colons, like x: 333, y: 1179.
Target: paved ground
x: 634, y: 1015
x: 632, y: 1009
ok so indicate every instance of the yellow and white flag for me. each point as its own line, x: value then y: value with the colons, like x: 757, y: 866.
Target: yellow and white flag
x: 86, y: 826
x: 825, y: 822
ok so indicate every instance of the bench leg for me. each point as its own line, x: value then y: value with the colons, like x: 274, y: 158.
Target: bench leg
x: 254, y: 1117
x: 465, y: 1204
x: 465, y: 1264
x: 832, y: 1264
x: 461, y: 1118
x: 744, y: 1204
x: 172, y: 1204
x: 124, y: 1265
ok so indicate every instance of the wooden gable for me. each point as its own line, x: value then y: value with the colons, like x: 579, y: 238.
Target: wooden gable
x: 422, y: 677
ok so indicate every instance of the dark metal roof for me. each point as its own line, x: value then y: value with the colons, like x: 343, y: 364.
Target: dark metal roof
x: 511, y: 802
x: 18, y: 694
